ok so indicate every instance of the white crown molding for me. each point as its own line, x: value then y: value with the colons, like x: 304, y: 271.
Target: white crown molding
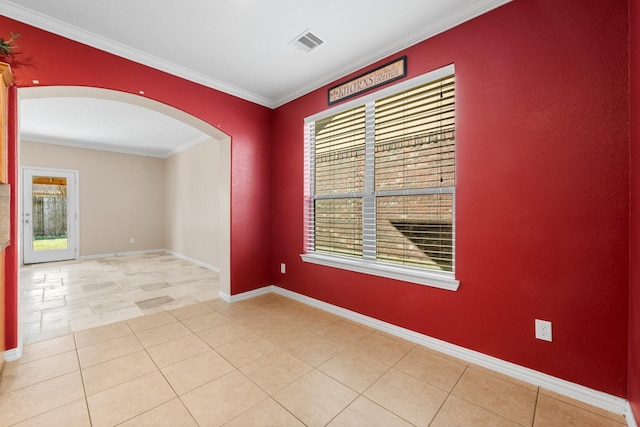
x: 55, y: 26
x: 464, y: 14
x: 90, y: 145
x: 43, y: 92
x: 183, y: 147
x: 30, y: 17
x: 584, y: 394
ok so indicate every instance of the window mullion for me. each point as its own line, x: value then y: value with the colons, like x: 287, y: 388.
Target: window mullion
x: 369, y: 199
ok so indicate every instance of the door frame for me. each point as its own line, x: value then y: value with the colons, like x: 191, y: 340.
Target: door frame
x: 75, y: 199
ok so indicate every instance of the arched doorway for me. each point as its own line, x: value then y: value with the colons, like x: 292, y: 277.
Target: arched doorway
x: 220, y: 164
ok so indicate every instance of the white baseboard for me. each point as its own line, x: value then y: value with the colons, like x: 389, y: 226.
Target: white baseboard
x: 630, y: 416
x: 584, y: 394
x: 150, y: 251
x: 247, y: 295
x: 194, y: 261
x: 13, y: 354
x: 117, y: 254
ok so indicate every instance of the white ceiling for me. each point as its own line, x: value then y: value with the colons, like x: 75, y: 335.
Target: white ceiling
x: 242, y: 47
x: 104, y: 124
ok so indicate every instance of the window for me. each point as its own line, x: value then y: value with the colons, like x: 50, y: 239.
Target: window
x: 380, y: 183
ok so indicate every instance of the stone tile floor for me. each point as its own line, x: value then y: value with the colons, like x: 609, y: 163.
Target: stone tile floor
x: 143, y: 341
x: 266, y: 361
x: 62, y: 297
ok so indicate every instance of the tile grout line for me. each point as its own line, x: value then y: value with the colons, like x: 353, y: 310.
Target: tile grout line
x: 84, y: 388
x: 533, y: 422
x: 467, y: 368
x: 449, y: 394
x: 239, y: 370
x: 236, y: 369
x: 359, y: 394
x: 116, y: 385
x: 146, y: 350
x: 270, y: 395
x: 49, y: 379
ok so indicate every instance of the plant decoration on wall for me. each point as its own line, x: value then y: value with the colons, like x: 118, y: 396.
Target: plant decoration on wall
x: 7, y: 46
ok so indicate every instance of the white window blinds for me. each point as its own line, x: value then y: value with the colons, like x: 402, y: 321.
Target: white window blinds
x: 380, y: 180
x: 415, y: 176
x: 339, y: 153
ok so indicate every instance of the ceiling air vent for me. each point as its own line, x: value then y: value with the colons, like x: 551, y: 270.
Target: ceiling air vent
x: 307, y: 41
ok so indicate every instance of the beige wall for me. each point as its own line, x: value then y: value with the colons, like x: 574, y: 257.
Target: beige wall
x: 180, y: 203
x: 192, y: 202
x: 121, y: 196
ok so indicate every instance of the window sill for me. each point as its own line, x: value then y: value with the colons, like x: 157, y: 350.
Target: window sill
x: 408, y: 274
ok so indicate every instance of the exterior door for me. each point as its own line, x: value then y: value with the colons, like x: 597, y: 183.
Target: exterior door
x: 49, y: 215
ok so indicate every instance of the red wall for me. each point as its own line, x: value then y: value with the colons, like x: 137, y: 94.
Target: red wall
x: 57, y: 61
x: 542, y: 194
x: 634, y: 282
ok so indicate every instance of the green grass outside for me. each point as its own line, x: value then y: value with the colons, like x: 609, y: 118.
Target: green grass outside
x: 48, y: 244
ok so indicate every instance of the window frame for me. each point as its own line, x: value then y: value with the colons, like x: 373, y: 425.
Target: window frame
x: 418, y: 275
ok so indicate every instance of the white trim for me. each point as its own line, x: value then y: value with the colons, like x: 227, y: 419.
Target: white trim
x: 427, y: 77
x: 150, y: 251
x: 74, y: 199
x: 246, y: 295
x: 584, y: 394
x: 44, y: 22
x: 186, y: 145
x: 89, y: 145
x: 194, y: 261
x: 126, y: 253
x: 42, y: 92
x: 419, y: 276
x: 467, y: 13
x: 630, y: 416
x: 13, y: 354
x: 367, y: 264
x: 88, y: 38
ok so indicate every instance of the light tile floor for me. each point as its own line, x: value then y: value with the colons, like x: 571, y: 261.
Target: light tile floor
x: 264, y: 361
x: 59, y: 298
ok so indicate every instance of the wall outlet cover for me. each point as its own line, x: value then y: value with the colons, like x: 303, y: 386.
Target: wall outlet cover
x: 543, y: 330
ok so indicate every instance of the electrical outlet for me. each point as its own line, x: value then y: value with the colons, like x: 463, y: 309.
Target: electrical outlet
x: 543, y: 330
x: 283, y: 268
x: 132, y: 240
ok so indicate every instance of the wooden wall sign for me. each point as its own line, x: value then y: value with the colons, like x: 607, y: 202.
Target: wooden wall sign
x: 380, y: 76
